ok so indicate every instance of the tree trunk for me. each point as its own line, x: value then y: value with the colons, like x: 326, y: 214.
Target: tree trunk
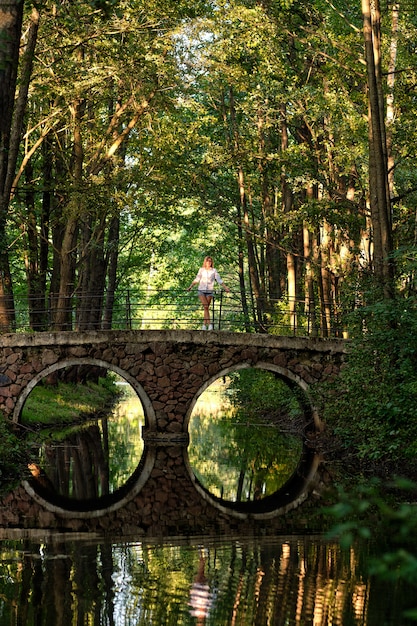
x: 10, y: 32
x: 67, y: 257
x: 378, y: 166
x: 309, y: 306
x: 244, y: 224
x: 287, y: 205
x: 36, y: 292
x: 241, y: 265
x: 390, y: 96
x: 45, y: 215
x: 111, y: 264
x: 92, y: 275
x: 252, y: 261
x: 272, y: 261
x: 325, y: 281
x: 12, y: 113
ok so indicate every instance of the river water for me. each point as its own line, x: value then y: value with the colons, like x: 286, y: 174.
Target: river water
x: 67, y: 579
x: 61, y: 580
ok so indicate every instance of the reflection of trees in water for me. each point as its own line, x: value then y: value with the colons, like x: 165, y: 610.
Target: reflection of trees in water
x: 241, y: 461
x: 94, y: 459
x: 250, y: 446
x: 297, y: 581
x: 61, y: 587
x: 79, y: 466
x: 85, y: 454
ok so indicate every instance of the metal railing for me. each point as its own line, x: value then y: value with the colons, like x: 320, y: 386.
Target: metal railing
x: 172, y: 309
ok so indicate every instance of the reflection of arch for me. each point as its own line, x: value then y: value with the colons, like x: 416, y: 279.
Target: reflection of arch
x: 94, y: 508
x: 88, y: 510
x: 143, y: 396
x: 295, y: 490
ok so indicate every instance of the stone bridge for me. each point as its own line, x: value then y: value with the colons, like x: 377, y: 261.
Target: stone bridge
x: 168, y: 370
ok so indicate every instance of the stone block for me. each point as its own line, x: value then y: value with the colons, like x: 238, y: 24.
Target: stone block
x: 280, y: 360
x: 162, y: 371
x: 13, y: 358
x: 49, y: 357
x: 78, y: 351
x: 198, y: 369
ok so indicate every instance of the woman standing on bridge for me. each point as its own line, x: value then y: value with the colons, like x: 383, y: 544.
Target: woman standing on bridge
x: 205, y: 279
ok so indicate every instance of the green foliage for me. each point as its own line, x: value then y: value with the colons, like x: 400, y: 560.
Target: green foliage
x: 225, y: 449
x: 252, y: 443
x: 374, y: 408
x: 106, y: 6
x: 218, y: 82
x: 12, y: 456
x: 262, y: 395
x: 385, y: 513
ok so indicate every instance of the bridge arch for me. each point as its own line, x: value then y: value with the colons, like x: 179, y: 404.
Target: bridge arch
x: 295, y: 489
x: 123, y: 495
x: 140, y: 391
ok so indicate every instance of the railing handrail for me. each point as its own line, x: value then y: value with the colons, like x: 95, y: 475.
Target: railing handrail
x: 173, y: 308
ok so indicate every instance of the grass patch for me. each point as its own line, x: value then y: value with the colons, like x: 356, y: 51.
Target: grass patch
x: 67, y: 402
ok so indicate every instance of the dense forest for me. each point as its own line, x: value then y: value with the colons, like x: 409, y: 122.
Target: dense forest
x: 277, y: 135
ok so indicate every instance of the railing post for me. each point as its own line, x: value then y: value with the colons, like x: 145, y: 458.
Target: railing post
x: 128, y: 311
x: 220, y: 307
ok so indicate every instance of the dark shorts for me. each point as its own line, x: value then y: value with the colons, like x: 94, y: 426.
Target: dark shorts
x: 205, y: 293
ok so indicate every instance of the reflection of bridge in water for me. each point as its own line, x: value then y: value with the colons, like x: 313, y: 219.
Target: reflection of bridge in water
x: 168, y: 370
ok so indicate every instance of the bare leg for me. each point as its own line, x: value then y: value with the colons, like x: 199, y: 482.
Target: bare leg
x: 206, y: 301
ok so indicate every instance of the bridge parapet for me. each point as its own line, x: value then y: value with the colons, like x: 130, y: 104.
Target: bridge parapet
x: 170, y: 365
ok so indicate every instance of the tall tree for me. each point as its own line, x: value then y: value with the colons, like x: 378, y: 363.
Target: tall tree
x: 12, y: 111
x: 379, y: 196
x: 284, y: 75
x: 101, y: 77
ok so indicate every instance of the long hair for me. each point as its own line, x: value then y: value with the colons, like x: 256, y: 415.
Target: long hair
x: 206, y: 259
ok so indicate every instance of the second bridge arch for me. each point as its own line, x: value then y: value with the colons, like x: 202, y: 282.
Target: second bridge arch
x: 252, y: 432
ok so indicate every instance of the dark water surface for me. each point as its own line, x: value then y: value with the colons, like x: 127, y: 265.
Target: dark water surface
x: 65, y: 580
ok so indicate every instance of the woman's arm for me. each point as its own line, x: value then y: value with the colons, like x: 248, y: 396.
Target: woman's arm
x: 220, y: 281
x: 196, y: 280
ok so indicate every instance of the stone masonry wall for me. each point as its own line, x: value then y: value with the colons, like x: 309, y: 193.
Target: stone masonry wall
x: 169, y: 369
